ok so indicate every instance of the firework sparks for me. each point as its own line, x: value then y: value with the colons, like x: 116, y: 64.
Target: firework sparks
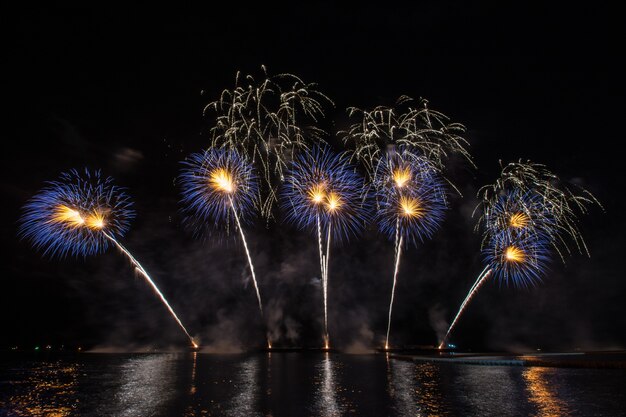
x: 525, y: 213
x: 80, y: 215
x: 417, y: 128
x: 411, y: 204
x: 323, y: 193
x: 269, y: 121
x: 217, y: 184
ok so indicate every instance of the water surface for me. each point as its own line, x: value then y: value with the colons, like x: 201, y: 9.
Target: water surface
x: 296, y: 384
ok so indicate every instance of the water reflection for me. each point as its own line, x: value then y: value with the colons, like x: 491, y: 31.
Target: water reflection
x: 541, y: 394
x: 414, y: 389
x: 49, y: 389
x: 327, y: 391
x: 193, y: 389
x: 246, y: 389
x: 147, y: 385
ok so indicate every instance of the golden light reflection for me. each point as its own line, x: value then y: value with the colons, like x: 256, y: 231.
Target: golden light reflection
x: 222, y: 180
x: 414, y: 389
x: 49, y: 390
x: 541, y: 394
x: 193, y: 388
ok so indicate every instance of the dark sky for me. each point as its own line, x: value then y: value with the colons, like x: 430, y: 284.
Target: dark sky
x: 120, y: 90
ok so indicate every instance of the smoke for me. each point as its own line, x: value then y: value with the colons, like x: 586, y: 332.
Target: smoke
x: 437, y: 318
x: 363, y: 341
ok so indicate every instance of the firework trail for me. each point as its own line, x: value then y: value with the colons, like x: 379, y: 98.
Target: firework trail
x: 411, y: 202
x: 80, y: 215
x: 219, y: 186
x: 323, y: 193
x: 269, y: 121
x: 143, y: 272
x: 404, y: 149
x: 524, y: 214
x: 484, y: 275
x: 245, y: 246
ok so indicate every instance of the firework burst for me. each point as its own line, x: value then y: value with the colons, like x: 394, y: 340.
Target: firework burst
x: 324, y: 193
x: 410, y: 195
x: 411, y: 202
x: 527, y: 212
x: 268, y: 121
x: 81, y: 214
x: 419, y: 129
x: 68, y: 215
x: 220, y: 187
x: 217, y: 184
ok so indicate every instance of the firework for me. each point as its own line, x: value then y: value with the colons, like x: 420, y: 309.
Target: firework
x: 410, y: 195
x: 323, y: 193
x: 527, y: 212
x: 220, y: 187
x: 426, y: 132
x: 80, y: 215
x: 268, y: 121
x: 411, y: 202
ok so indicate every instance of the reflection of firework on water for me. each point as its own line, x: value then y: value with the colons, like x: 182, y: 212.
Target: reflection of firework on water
x: 524, y: 214
x: 67, y: 216
x: 269, y: 121
x: 80, y: 214
x: 323, y: 193
x: 411, y: 203
x: 216, y: 184
x: 421, y: 130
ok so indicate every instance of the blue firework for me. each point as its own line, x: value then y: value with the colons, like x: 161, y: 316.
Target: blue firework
x: 518, y: 260
x: 70, y: 216
x: 410, y: 195
x: 521, y: 213
x: 323, y: 186
x: 212, y: 182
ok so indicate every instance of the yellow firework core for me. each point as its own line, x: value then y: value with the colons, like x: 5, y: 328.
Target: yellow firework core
x: 95, y: 221
x: 317, y: 193
x: 519, y: 220
x: 68, y: 216
x: 513, y: 254
x: 333, y: 201
x: 411, y: 207
x: 222, y: 180
x: 401, y: 176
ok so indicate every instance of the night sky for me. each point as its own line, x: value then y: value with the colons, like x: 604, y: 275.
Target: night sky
x: 123, y: 90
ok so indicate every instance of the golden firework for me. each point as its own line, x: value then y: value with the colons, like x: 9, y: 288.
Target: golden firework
x: 519, y: 220
x: 514, y: 254
x: 222, y: 180
x: 95, y: 221
x: 401, y: 176
x: 333, y: 201
x: 317, y: 193
x: 411, y: 207
x: 68, y: 216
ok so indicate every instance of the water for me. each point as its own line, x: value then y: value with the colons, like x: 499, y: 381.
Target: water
x: 296, y: 384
